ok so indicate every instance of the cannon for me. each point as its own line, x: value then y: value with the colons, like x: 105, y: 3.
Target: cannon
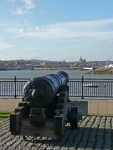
x: 38, y: 92
x: 45, y: 108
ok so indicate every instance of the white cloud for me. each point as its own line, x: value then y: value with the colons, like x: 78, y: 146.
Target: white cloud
x: 98, y: 29
x: 19, y: 11
x: 37, y: 29
x: 19, y: 31
x: 27, y: 5
x: 42, y: 12
x: 4, y: 45
x: 26, y: 22
x: 110, y: 41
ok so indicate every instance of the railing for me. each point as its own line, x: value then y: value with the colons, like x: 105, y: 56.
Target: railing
x: 12, y: 87
x: 91, y: 88
x: 82, y: 87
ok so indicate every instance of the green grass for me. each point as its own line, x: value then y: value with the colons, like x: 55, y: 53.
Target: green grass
x: 4, y: 115
x: 106, y: 115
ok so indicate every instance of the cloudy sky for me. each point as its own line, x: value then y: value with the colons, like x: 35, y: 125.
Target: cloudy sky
x: 56, y: 29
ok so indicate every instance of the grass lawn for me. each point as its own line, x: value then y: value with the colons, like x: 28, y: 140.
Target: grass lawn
x: 4, y: 115
x: 106, y: 115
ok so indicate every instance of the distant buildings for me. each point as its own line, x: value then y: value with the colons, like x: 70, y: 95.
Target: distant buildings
x: 109, y: 66
x: 37, y: 64
x: 82, y: 61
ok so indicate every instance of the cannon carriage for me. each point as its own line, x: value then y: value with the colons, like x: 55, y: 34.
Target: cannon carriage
x: 45, y: 108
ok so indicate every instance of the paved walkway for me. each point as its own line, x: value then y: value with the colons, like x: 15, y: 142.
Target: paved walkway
x: 101, y: 107
x: 94, y: 133
x: 7, y: 104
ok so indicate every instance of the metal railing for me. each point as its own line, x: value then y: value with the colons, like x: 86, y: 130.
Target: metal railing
x: 85, y: 87
x: 81, y: 87
x: 12, y: 87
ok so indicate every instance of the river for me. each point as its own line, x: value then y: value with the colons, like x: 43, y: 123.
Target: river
x: 37, y: 73
x: 105, y: 89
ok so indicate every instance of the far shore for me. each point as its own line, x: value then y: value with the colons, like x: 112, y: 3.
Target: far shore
x: 56, y: 68
x: 102, y: 70
x: 61, y: 68
x: 99, y: 70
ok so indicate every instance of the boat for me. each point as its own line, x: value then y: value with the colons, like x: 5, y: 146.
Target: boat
x: 90, y: 85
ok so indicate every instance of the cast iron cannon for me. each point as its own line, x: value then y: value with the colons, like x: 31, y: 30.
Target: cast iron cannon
x: 45, y: 108
x: 40, y: 91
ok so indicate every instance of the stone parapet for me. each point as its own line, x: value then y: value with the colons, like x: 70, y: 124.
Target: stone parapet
x: 82, y: 105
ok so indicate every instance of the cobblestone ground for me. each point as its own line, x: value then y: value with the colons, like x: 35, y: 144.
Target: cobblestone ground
x: 93, y: 133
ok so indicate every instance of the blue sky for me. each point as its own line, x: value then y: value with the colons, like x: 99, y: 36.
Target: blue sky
x: 56, y: 29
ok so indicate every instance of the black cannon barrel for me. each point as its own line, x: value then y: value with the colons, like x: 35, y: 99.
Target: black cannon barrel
x: 40, y: 91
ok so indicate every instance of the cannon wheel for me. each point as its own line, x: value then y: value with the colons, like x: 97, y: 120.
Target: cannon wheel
x: 74, y: 117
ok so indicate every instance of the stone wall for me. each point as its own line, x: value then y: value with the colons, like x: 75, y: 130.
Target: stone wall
x: 82, y: 105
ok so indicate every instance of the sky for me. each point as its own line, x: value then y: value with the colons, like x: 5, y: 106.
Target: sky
x: 56, y: 30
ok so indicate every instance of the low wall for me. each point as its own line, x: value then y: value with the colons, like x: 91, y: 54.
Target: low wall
x: 82, y: 105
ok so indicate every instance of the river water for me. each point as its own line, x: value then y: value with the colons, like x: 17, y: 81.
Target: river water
x: 105, y: 89
x: 36, y: 73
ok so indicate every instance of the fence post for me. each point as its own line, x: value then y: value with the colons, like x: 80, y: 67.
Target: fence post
x: 82, y: 86
x: 15, y: 86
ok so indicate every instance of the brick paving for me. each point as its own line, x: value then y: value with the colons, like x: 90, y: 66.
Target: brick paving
x: 94, y: 132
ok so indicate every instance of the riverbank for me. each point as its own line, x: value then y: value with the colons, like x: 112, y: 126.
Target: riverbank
x: 62, y: 68
x: 102, y: 70
x: 59, y: 68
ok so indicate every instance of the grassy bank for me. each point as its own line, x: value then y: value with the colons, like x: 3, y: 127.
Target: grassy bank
x: 4, y: 115
x: 103, y: 70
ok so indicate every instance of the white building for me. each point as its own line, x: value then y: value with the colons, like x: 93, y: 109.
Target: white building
x: 109, y: 66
